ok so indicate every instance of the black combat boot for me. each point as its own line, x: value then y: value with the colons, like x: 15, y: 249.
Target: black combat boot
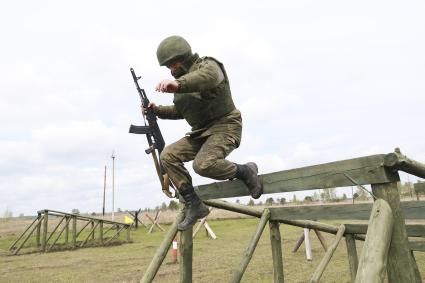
x: 248, y: 173
x: 195, y: 209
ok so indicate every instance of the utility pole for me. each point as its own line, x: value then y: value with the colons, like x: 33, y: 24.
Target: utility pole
x: 113, y: 183
x: 104, y: 192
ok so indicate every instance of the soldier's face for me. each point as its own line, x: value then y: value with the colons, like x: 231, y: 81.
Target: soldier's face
x: 173, y: 66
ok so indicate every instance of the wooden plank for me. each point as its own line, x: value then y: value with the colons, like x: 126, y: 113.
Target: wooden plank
x: 246, y: 257
x: 373, y: 261
x: 186, y: 255
x: 413, y: 230
x: 364, y: 170
x: 276, y: 245
x: 401, y: 266
x: 417, y: 246
x: 353, y: 260
x: 360, y: 211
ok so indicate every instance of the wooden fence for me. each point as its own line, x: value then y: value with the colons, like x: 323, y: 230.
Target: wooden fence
x: 51, y: 240
x: 387, y: 216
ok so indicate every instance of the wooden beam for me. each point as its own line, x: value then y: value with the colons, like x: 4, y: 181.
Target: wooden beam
x: 373, y: 261
x: 307, y: 244
x: 353, y: 260
x: 360, y: 211
x: 276, y: 244
x: 160, y: 254
x: 397, y: 161
x: 364, y: 170
x: 239, y: 208
x: 401, y: 266
x: 328, y: 255
x: 237, y: 275
x: 186, y: 255
x: 413, y: 230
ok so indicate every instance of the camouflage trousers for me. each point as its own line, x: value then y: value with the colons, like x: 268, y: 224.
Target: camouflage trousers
x: 208, y: 155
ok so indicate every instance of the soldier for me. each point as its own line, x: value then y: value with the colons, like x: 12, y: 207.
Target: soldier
x: 202, y: 97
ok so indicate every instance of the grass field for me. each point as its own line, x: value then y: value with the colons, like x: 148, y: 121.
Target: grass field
x: 214, y: 260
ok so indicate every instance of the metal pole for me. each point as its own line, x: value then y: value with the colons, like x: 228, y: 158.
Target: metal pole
x: 104, y: 192
x: 113, y: 184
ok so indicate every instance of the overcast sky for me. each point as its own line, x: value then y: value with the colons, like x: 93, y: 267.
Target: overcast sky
x: 316, y: 81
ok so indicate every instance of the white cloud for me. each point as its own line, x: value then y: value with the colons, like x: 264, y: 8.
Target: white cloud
x: 315, y: 81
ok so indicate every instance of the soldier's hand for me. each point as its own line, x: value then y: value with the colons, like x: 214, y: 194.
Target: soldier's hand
x: 167, y: 86
x: 150, y: 105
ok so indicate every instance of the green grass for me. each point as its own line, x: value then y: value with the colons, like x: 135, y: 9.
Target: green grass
x: 213, y: 260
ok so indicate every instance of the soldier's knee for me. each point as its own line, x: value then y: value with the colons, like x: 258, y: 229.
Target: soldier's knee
x: 166, y: 155
x: 203, y: 167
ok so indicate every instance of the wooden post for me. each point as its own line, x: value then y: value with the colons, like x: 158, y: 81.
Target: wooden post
x: 328, y: 255
x: 401, y: 266
x: 186, y: 254
x: 44, y: 234
x: 37, y: 235
x: 298, y: 243
x: 101, y: 232
x: 307, y: 244
x: 353, y: 260
x: 128, y: 232
x: 373, y: 260
x: 246, y: 257
x: 321, y: 239
x: 88, y: 236
x: 162, y: 251
x: 92, y: 226
x: 276, y: 245
x: 67, y: 230
x: 74, y: 231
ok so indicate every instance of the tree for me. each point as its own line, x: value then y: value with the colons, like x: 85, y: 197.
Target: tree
x: 119, y: 210
x: 238, y: 201
x: 7, y: 213
x: 269, y: 201
x: 251, y: 202
x: 173, y: 205
x: 308, y: 199
x: 282, y: 201
x: 163, y: 206
x: 294, y: 199
x: 361, y: 194
x: 328, y: 194
x: 344, y: 196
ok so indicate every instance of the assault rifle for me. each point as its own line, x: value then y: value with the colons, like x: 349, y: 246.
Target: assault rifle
x: 153, y: 135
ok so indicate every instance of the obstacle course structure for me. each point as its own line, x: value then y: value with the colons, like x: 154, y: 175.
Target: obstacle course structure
x: 40, y: 225
x: 386, y: 231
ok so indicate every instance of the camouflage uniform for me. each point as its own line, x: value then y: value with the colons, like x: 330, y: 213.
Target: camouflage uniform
x: 204, y: 101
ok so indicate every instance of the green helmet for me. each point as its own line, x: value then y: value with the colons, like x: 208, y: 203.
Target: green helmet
x: 172, y: 47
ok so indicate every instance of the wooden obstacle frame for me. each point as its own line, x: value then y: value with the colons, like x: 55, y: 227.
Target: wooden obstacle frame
x: 48, y: 241
x: 386, y: 215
